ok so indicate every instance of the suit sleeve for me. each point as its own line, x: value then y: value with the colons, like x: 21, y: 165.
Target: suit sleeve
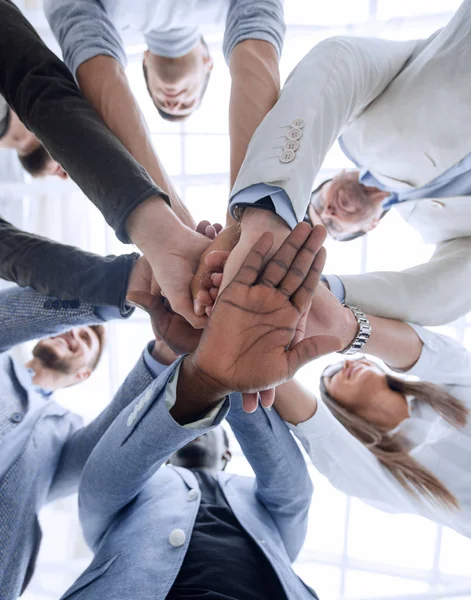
x: 433, y: 293
x: 26, y: 315
x: 43, y: 93
x: 139, y: 441
x: 333, y: 84
x: 82, y: 441
x: 283, y: 484
x: 30, y: 260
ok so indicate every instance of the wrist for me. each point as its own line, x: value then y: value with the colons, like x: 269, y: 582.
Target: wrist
x: 197, y: 393
x: 151, y: 219
x: 349, y: 329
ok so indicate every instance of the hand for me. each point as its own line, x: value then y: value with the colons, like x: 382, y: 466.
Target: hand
x: 212, y: 261
x: 144, y: 292
x: 327, y: 316
x: 247, y: 345
x: 210, y: 231
x: 172, y: 250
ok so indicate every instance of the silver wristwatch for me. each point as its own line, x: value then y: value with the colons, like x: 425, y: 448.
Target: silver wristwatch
x: 363, y: 333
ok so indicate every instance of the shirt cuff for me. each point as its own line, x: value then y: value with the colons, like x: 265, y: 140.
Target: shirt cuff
x: 255, y: 193
x: 336, y: 286
x: 154, y: 367
x: 171, y: 397
x: 319, y: 427
x: 108, y: 313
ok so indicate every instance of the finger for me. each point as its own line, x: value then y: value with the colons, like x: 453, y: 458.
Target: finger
x: 200, y: 228
x: 218, y: 227
x: 198, y: 307
x: 142, y: 300
x: 280, y: 263
x: 216, y: 279
x: 301, y: 266
x: 216, y: 260
x: 210, y: 232
x: 267, y: 398
x: 213, y: 292
x: 310, y: 349
x: 208, y: 310
x: 253, y: 263
x: 204, y: 297
x: 250, y: 402
x: 303, y: 295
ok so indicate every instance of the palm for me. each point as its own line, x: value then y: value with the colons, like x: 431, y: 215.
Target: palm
x: 250, y: 342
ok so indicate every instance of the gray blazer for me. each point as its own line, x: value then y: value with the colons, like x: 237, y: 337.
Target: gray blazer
x: 43, y: 456
x: 138, y: 515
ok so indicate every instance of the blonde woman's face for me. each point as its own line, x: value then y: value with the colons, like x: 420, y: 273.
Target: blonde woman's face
x: 358, y: 382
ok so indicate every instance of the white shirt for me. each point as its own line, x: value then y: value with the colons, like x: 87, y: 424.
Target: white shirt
x: 441, y: 448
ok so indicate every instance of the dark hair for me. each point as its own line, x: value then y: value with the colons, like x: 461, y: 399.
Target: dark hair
x: 36, y: 161
x: 392, y: 451
x: 101, y: 334
x: 169, y: 116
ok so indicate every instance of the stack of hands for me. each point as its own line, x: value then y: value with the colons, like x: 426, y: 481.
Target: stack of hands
x: 255, y: 284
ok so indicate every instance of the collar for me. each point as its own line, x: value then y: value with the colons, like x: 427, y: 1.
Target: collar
x: 45, y: 393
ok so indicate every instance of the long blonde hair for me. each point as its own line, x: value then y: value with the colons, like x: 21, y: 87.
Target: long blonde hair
x: 392, y: 450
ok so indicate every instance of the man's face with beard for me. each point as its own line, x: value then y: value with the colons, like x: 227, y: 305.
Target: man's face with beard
x: 69, y: 352
x: 346, y: 207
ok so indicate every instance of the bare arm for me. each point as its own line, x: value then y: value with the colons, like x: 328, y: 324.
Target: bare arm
x: 255, y: 88
x: 103, y: 82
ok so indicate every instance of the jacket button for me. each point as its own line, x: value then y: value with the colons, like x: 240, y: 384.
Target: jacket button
x: 436, y: 205
x: 298, y: 122
x: 287, y: 156
x: 192, y: 495
x: 294, y: 134
x: 177, y: 538
x: 291, y: 145
x: 75, y: 304
x: 47, y: 304
x: 16, y: 417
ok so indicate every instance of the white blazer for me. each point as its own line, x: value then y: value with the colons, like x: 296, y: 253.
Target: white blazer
x: 404, y: 111
x: 443, y: 449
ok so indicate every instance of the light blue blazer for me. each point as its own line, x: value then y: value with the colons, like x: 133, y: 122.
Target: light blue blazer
x: 138, y: 515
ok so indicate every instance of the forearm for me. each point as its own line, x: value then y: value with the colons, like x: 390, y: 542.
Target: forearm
x: 394, y: 342
x: 33, y: 261
x: 41, y: 90
x: 103, y: 82
x: 255, y: 88
x: 294, y: 403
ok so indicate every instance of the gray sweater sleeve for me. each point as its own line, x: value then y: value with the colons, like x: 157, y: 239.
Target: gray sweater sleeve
x: 250, y: 20
x: 83, y: 30
x: 54, y: 269
x: 42, y: 92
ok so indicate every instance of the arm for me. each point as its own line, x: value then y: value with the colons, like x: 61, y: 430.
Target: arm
x: 34, y: 261
x: 347, y: 464
x: 283, y: 484
x: 140, y: 440
x: 93, y: 51
x: 334, y: 83
x: 252, y: 46
x: 26, y: 315
x: 433, y: 293
x: 41, y: 90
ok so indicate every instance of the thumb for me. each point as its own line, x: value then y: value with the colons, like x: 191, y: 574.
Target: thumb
x: 143, y: 300
x: 311, y: 348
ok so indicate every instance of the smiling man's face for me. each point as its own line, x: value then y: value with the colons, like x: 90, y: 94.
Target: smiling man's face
x: 70, y: 351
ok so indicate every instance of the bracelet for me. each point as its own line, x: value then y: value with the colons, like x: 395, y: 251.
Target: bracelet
x: 363, y: 332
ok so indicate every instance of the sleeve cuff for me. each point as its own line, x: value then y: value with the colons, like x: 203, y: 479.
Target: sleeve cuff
x: 252, y: 196
x: 336, y: 286
x: 318, y: 427
x: 171, y: 397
